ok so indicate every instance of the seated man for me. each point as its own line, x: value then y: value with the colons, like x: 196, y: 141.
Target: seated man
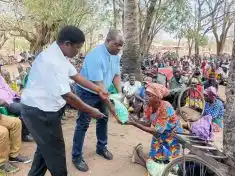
x: 176, y: 85
x: 10, y: 143
x: 10, y: 100
x: 129, y: 90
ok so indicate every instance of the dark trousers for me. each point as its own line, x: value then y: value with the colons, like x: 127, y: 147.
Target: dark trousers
x: 84, y: 120
x: 46, y: 129
x: 15, y: 109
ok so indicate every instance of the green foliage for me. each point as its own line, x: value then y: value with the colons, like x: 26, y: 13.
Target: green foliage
x: 178, y: 16
x: 203, y: 40
x: 29, y: 18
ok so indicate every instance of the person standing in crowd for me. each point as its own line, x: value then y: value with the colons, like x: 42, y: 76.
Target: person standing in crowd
x: 45, y: 96
x: 102, y: 66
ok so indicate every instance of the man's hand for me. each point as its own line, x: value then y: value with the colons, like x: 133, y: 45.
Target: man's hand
x: 96, y: 113
x: 103, y: 95
x: 3, y: 103
x: 113, y: 111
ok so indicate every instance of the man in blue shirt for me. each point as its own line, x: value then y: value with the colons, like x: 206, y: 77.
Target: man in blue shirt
x: 101, y: 66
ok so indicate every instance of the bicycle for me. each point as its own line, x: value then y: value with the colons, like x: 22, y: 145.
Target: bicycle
x: 203, y: 159
x: 191, y: 98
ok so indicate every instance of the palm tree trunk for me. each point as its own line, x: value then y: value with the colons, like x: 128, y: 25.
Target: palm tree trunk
x: 131, y: 56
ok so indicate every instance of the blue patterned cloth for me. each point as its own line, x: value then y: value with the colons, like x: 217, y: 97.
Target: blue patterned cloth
x: 216, y: 110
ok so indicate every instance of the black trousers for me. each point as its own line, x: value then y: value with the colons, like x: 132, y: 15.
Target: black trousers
x: 46, y: 129
x: 15, y: 109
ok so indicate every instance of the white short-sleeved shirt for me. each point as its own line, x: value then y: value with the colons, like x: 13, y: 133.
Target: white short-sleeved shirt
x: 48, y: 79
x: 131, y: 89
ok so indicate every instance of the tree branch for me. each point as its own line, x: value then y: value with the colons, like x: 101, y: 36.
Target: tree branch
x: 219, y: 2
x: 6, y: 1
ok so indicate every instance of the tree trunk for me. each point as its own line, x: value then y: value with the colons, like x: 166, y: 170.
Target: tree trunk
x: 148, y: 45
x: 197, y: 49
x: 91, y: 39
x: 190, y: 47
x: 229, y: 117
x: 123, y: 21
x: 3, y: 39
x: 131, y: 56
x: 220, y: 46
x: 44, y: 33
x: 147, y: 27
x: 114, y: 15
x: 178, y: 45
x: 190, y: 51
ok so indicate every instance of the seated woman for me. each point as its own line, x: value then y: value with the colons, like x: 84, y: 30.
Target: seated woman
x: 194, y: 98
x: 215, y: 108
x: 161, y: 116
x: 212, y: 118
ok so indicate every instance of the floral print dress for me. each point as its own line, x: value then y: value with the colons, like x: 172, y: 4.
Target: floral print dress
x: 164, y: 146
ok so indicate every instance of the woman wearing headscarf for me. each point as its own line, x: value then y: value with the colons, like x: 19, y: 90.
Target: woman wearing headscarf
x: 160, y: 121
x: 212, y: 118
x: 214, y: 107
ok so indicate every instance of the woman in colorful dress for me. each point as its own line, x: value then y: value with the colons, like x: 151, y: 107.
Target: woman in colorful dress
x: 160, y: 121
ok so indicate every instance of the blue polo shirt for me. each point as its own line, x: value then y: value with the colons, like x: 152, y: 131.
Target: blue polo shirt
x: 100, y: 65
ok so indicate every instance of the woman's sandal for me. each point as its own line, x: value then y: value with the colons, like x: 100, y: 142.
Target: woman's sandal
x: 135, y: 156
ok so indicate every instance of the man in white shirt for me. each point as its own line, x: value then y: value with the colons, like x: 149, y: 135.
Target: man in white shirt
x: 44, y: 98
x: 130, y: 89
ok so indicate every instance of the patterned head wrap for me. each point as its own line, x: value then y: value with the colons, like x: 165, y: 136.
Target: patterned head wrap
x: 157, y: 90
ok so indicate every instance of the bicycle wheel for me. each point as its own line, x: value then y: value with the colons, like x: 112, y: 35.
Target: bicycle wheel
x: 190, y: 165
x: 199, y: 101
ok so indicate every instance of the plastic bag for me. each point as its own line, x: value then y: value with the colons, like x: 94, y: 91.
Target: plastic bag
x: 120, y: 108
x: 117, y: 96
x: 155, y: 169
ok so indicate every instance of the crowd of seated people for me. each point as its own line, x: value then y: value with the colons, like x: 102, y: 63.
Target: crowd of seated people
x: 186, y: 72
x: 153, y: 108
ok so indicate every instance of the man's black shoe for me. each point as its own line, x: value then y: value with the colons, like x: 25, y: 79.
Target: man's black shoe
x: 105, y: 153
x: 80, y: 164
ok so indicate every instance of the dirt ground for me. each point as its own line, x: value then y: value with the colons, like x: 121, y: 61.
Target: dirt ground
x: 122, y: 139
